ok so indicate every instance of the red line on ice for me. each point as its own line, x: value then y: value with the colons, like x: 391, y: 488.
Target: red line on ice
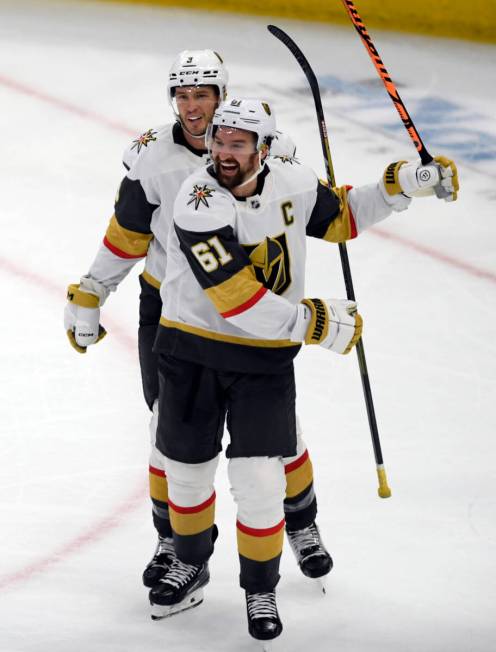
x: 473, y: 270
x: 59, y: 103
x: 92, y: 535
x: 100, y: 528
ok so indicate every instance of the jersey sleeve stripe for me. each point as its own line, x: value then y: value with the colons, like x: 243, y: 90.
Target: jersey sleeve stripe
x: 151, y: 280
x: 353, y: 225
x: 246, y: 305
x: 237, y: 293
x: 343, y: 227
x: 118, y: 252
x: 125, y: 243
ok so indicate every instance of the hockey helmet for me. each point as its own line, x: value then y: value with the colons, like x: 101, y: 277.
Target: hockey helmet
x: 250, y: 115
x: 198, y: 68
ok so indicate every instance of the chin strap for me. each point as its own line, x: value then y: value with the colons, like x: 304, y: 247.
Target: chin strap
x: 261, y: 165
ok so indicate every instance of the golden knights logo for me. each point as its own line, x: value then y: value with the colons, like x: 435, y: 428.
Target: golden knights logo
x: 200, y: 195
x: 144, y: 139
x: 271, y: 262
x: 266, y: 108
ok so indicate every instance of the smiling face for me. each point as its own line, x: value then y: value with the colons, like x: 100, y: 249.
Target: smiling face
x: 196, y: 106
x: 234, y: 155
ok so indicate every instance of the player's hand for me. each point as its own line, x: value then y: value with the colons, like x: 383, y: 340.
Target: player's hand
x: 416, y: 180
x: 331, y: 323
x: 82, y: 318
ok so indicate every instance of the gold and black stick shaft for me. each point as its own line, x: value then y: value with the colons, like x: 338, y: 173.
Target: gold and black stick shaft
x: 383, y: 490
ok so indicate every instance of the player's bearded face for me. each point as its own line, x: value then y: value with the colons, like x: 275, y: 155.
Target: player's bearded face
x: 196, y: 106
x: 234, y: 156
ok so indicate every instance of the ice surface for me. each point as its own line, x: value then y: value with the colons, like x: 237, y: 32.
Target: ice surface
x: 415, y: 572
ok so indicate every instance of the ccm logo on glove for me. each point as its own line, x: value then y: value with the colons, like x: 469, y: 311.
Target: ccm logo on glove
x: 82, y: 318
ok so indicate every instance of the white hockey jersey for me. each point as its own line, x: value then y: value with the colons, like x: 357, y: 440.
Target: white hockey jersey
x: 236, y: 268
x: 157, y: 162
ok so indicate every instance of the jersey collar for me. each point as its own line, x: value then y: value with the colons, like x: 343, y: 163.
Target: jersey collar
x: 179, y: 139
x: 260, y: 182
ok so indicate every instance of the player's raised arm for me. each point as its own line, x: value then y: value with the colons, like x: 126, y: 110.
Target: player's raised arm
x: 342, y: 213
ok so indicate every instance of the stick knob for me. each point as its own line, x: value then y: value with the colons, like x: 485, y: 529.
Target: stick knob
x: 384, y: 491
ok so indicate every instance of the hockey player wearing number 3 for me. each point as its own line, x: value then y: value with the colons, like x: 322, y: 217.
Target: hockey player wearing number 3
x: 233, y: 318
x: 157, y: 164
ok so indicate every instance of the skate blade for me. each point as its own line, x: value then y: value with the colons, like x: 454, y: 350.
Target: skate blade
x: 160, y: 611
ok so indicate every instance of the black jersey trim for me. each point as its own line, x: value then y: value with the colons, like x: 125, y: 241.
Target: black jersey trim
x: 225, y: 355
x: 325, y: 210
x: 133, y: 211
x: 179, y: 138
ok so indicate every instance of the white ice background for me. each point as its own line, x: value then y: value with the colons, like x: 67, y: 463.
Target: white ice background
x: 413, y: 573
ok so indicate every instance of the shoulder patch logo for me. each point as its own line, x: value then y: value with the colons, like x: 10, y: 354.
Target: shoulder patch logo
x: 271, y: 262
x: 144, y: 139
x: 200, y: 194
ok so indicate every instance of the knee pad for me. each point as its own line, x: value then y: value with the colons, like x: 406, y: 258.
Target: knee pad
x: 190, y: 484
x: 258, y: 485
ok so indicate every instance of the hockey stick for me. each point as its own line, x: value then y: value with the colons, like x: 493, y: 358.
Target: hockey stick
x: 384, y: 490
x: 391, y: 89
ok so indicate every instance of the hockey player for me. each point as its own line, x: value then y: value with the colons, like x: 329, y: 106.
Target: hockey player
x: 157, y: 164
x: 233, y: 319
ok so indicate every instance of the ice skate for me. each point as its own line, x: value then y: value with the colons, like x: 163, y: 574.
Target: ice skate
x: 310, y: 552
x: 160, y: 562
x: 180, y: 589
x: 264, y: 623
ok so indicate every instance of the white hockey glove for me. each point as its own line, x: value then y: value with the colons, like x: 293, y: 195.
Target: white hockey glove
x: 416, y: 180
x: 331, y: 323
x: 82, y: 315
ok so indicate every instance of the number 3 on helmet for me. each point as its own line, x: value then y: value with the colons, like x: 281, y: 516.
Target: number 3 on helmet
x: 197, y: 68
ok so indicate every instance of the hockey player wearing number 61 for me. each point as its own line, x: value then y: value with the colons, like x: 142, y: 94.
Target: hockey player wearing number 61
x: 157, y: 164
x: 234, y: 317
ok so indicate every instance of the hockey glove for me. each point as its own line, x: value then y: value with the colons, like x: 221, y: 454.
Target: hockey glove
x: 82, y: 318
x: 332, y: 323
x: 416, y: 180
